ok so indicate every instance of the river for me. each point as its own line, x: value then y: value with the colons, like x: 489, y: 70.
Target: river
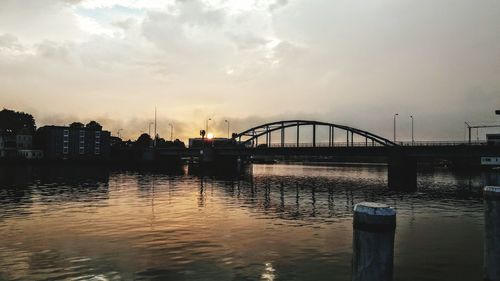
x: 269, y: 222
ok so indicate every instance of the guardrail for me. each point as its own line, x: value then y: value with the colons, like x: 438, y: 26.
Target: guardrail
x: 440, y: 143
x: 370, y: 144
x: 323, y: 144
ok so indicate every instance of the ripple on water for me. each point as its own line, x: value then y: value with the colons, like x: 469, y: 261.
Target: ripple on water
x: 279, y: 222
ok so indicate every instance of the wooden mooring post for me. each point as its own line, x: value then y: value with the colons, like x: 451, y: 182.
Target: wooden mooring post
x: 373, y: 242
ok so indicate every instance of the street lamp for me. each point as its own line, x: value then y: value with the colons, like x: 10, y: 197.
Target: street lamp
x: 206, y: 128
x: 412, y: 138
x: 118, y: 133
x: 395, y: 126
x: 171, y: 131
x: 227, y: 128
x: 150, y: 123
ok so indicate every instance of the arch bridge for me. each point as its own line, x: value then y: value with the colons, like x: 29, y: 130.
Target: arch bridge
x: 250, y: 137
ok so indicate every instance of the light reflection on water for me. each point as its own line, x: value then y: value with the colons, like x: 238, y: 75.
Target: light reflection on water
x: 277, y: 222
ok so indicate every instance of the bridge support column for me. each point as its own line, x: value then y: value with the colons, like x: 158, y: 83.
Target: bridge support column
x: 282, y: 135
x: 402, y: 172
x: 314, y: 135
x: 329, y: 136
x: 492, y: 233
x: 373, y: 242
x: 298, y: 134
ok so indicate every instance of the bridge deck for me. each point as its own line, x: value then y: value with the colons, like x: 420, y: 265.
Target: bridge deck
x: 455, y: 150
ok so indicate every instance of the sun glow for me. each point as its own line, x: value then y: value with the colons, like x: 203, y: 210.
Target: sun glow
x: 210, y: 136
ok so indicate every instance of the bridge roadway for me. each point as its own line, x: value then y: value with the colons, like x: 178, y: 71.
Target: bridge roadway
x: 441, y: 152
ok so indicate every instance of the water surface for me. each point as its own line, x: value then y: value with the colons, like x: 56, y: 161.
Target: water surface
x: 270, y: 222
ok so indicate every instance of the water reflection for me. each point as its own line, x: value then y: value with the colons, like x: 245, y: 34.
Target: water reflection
x: 263, y: 223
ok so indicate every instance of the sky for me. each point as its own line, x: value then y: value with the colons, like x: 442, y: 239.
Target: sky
x: 349, y: 62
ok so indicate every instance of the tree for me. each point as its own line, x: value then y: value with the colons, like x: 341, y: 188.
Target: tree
x: 178, y: 143
x: 76, y: 125
x: 144, y: 140
x: 93, y: 125
x: 161, y: 142
x: 16, y: 121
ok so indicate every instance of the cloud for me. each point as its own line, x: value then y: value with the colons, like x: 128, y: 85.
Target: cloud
x: 54, y: 51
x: 247, y: 40
x: 278, y: 4
x: 190, y: 28
x: 9, y: 41
x: 349, y: 62
x: 35, y: 21
x: 125, y: 24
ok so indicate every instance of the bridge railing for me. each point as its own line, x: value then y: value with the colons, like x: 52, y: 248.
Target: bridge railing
x: 370, y: 144
x: 440, y: 143
x: 325, y: 144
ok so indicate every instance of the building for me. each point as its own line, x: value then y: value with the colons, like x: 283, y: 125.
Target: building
x: 30, y: 154
x: 18, y: 146
x: 7, y: 144
x: 490, y: 161
x: 24, y: 140
x: 493, y: 139
x: 76, y: 143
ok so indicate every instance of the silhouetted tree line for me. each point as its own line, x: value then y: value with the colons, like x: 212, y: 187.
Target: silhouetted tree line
x: 16, y: 121
x: 90, y: 125
x: 145, y: 140
x: 162, y: 143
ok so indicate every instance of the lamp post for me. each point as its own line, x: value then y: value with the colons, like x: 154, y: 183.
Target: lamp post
x: 149, y: 132
x: 470, y: 129
x: 118, y: 133
x: 206, y: 128
x: 395, y: 126
x: 227, y: 128
x: 171, y: 131
x: 412, y: 138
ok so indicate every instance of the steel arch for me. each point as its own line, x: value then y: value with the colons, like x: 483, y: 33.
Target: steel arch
x: 264, y: 129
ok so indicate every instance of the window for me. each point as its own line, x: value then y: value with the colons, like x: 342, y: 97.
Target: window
x: 81, y: 147
x: 65, y: 141
x: 97, y: 143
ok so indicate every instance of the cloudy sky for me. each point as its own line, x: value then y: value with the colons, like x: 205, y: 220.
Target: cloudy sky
x: 252, y: 61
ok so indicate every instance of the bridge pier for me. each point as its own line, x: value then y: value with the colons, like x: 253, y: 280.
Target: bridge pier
x: 401, y: 172
x: 210, y: 157
x: 207, y: 155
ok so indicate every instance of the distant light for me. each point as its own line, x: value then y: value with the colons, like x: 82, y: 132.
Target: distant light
x: 210, y: 136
